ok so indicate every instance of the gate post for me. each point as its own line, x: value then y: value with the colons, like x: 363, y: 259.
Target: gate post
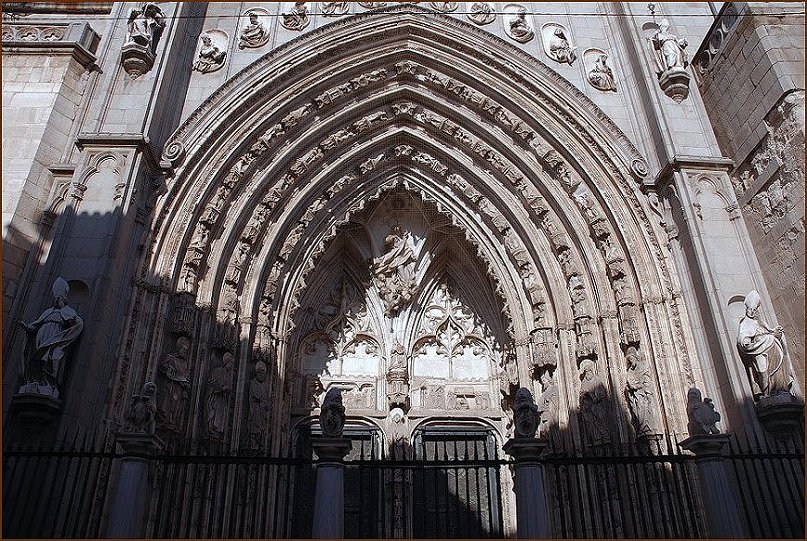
x: 532, y: 517
x: 719, y: 496
x: 331, y: 448
x: 126, y: 519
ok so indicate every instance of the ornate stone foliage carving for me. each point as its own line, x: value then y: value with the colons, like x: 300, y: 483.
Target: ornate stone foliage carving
x: 703, y: 418
x: 332, y: 414
x: 16, y: 32
x: 598, y: 72
x: 142, y: 412
x: 594, y: 405
x: 217, y: 398
x: 481, y: 13
x: 671, y: 62
x: 145, y: 26
x: 334, y: 9
x: 764, y: 353
x: 212, y: 51
x: 641, y: 398
x: 525, y: 414
x: 556, y: 44
x: 174, y: 386
x: 517, y: 26
x: 259, y: 407
x: 48, y: 340
x: 255, y: 32
x: 296, y: 18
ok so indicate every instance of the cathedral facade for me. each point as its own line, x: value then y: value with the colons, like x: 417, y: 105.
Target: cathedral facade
x: 438, y: 231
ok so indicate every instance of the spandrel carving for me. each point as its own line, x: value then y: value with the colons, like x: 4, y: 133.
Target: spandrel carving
x: 212, y: 52
x: 255, y: 33
x: 481, y: 13
x: 297, y: 18
x: 518, y: 28
x: 557, y: 45
x: 334, y: 9
x: 598, y: 73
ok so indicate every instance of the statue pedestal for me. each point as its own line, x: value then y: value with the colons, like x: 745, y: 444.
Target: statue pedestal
x: 675, y: 83
x: 532, y: 517
x: 780, y: 414
x: 136, y: 59
x: 35, y: 409
x: 329, y: 499
x: 719, y: 496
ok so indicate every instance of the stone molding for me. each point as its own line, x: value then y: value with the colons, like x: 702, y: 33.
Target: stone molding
x: 76, y: 39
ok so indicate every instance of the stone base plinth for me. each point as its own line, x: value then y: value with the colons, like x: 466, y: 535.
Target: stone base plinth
x: 35, y: 409
x: 780, y: 414
x: 705, y: 445
x: 136, y: 59
x: 675, y: 83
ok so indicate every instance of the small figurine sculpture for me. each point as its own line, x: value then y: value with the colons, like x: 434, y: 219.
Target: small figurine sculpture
x: 143, y: 410
x: 671, y: 62
x: 525, y: 414
x: 763, y: 351
x: 702, y: 415
x: 49, y: 336
x: 594, y: 405
x: 559, y: 48
x: 259, y: 404
x: 641, y: 398
x: 332, y: 414
x: 519, y: 29
x: 600, y: 75
x: 146, y: 25
x: 217, y: 402
x: 174, y: 386
x: 211, y: 58
x: 297, y: 18
x: 481, y: 13
x: 254, y: 34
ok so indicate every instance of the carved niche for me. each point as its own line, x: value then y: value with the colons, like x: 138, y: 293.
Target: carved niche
x: 481, y: 13
x: 516, y: 24
x: 556, y: 43
x: 598, y: 73
x: 212, y: 51
x: 255, y: 33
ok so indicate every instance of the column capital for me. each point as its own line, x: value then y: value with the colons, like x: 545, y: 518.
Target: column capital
x: 139, y: 444
x: 705, y: 445
x: 525, y: 449
x: 331, y: 449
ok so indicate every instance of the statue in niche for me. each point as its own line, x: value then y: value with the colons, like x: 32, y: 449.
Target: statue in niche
x: 332, y: 414
x: 297, y: 18
x: 525, y: 414
x: 481, y: 13
x: 174, y: 386
x: 519, y: 29
x: 641, y: 398
x: 670, y: 51
x: 398, y: 378
x: 394, y: 270
x: 600, y: 75
x: 703, y: 418
x: 594, y: 405
x: 559, y: 48
x: 211, y: 57
x: 259, y: 405
x: 146, y: 25
x: 764, y: 353
x: 254, y: 34
x: 548, y: 408
x: 142, y: 411
x: 217, y: 401
x: 335, y: 9
x: 48, y: 339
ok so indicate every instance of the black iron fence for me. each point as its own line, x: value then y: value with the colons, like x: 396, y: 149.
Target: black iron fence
x: 435, y: 488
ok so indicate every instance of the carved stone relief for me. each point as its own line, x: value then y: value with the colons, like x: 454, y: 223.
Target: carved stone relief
x: 212, y: 51
x: 334, y: 9
x: 255, y: 32
x: 556, y: 43
x: 481, y: 13
x: 598, y: 73
x: 445, y: 7
x: 296, y: 18
x: 394, y: 270
x: 145, y: 26
x: 516, y: 24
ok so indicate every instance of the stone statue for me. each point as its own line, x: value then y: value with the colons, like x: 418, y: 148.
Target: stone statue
x: 334, y: 9
x: 48, y: 338
x: 174, y: 386
x: 398, y: 378
x: 481, y: 13
x: 641, y: 398
x: 297, y: 18
x: 332, y: 414
x: 259, y: 404
x: 600, y: 75
x: 146, y: 25
x: 594, y: 405
x: 763, y: 351
x: 559, y: 48
x: 525, y: 414
x: 548, y: 408
x: 519, y: 29
x: 211, y: 57
x: 670, y: 51
x: 142, y: 411
x: 394, y: 270
x: 217, y: 401
x: 254, y: 34
x: 702, y: 415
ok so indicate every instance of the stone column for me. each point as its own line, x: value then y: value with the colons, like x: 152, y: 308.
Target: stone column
x: 532, y: 517
x: 127, y: 517
x: 719, y: 496
x: 329, y: 499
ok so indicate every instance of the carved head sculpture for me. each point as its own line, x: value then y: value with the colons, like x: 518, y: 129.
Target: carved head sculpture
x: 559, y: 32
x: 148, y: 390
x: 587, y: 370
x: 752, y: 303
x: 183, y: 347
x: 253, y: 18
x: 60, y: 290
x: 632, y: 354
x: 332, y: 414
x: 206, y: 40
x: 525, y: 414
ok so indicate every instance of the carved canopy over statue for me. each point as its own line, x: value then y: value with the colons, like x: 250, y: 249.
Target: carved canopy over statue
x: 49, y: 336
x: 763, y: 351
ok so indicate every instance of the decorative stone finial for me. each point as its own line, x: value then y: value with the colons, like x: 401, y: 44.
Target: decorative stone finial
x: 332, y: 414
x: 525, y: 414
